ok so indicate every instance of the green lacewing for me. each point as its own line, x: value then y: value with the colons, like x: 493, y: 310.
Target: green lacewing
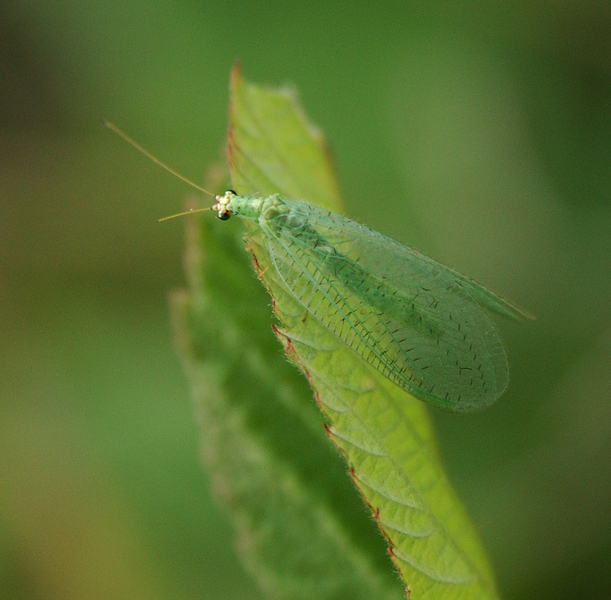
x: 421, y: 324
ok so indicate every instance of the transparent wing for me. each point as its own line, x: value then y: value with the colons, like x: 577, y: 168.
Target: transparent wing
x: 416, y: 321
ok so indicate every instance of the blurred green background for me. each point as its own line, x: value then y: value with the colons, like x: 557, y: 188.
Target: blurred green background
x: 477, y: 132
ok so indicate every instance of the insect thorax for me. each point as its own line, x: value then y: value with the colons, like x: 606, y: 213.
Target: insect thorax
x: 258, y: 208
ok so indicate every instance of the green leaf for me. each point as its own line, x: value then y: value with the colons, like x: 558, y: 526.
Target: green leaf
x: 301, y: 528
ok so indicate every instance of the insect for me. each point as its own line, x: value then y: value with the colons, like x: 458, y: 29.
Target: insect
x: 418, y: 322
x: 421, y: 324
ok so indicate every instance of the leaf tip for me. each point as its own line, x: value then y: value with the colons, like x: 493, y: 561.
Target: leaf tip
x: 236, y: 75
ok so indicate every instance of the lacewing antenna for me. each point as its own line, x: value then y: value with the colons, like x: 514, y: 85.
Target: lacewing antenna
x: 186, y: 212
x: 155, y: 160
